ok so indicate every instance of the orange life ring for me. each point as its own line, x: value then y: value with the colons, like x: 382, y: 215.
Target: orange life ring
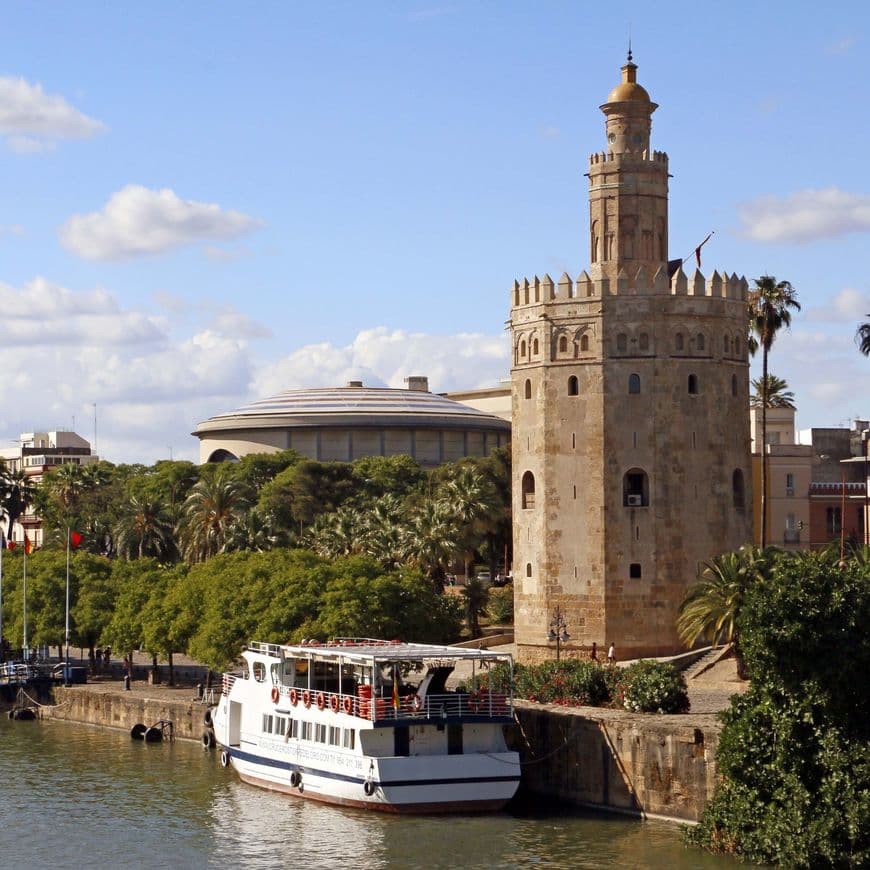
x: 306, y: 698
x: 321, y: 701
x: 333, y: 703
x: 294, y: 697
x: 347, y: 705
x: 275, y: 694
x: 416, y: 703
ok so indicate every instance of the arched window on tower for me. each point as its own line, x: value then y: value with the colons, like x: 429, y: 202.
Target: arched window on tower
x: 584, y: 343
x: 700, y: 342
x: 738, y: 490
x: 634, y: 383
x: 535, y: 347
x: 693, y: 385
x: 528, y: 569
x: 737, y: 346
x: 522, y: 349
x: 573, y: 386
x: 635, y: 488
x: 528, y: 389
x: 726, y: 344
x: 643, y: 341
x: 594, y: 242
x: 528, y: 490
x: 563, y: 344
x: 621, y: 342
x: 678, y: 341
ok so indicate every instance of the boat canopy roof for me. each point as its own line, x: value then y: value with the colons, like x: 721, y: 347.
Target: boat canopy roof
x: 367, y: 650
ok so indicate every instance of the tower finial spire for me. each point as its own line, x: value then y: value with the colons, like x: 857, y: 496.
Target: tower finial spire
x: 629, y: 43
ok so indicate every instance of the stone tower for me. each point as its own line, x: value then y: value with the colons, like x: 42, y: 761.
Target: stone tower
x: 631, y: 453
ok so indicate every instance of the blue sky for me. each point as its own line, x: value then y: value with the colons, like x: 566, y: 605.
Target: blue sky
x: 203, y: 203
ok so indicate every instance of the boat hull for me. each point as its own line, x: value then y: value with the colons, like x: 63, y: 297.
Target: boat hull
x: 456, y: 784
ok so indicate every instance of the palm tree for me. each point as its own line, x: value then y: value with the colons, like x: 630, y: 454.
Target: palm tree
x: 777, y: 391
x: 67, y: 482
x: 431, y: 538
x: 17, y: 492
x: 339, y: 533
x: 254, y: 532
x: 468, y: 497
x: 144, y: 529
x: 215, y: 503
x: 769, y: 304
x: 862, y: 338
x: 711, y: 607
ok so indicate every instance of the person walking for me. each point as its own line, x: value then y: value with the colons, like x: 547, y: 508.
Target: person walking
x: 593, y: 655
x: 611, y: 654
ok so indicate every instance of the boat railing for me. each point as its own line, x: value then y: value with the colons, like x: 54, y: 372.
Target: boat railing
x: 272, y: 649
x: 17, y: 672
x: 227, y: 683
x: 449, y: 705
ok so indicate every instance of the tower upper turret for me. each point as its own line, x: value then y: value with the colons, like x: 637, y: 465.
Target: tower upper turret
x: 629, y: 114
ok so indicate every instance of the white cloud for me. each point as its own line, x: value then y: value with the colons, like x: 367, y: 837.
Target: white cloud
x: 33, y: 120
x: 805, y: 216
x: 61, y: 350
x: 382, y: 356
x: 847, y: 306
x: 137, y: 221
x: 232, y: 323
x: 842, y: 46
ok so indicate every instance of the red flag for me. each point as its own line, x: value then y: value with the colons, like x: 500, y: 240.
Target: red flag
x: 395, y: 690
x: 28, y: 546
x: 75, y: 540
x: 10, y: 545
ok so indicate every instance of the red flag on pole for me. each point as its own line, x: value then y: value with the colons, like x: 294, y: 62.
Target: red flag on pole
x: 75, y: 540
x: 28, y: 546
x: 10, y: 545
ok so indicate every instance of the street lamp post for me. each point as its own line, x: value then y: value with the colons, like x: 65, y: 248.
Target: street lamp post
x: 558, y: 631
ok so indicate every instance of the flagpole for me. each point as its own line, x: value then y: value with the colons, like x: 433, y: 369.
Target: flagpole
x: 66, y: 633
x: 25, y: 651
x: 2, y: 547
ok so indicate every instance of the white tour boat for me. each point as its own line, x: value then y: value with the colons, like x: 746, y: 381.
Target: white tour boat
x: 369, y: 723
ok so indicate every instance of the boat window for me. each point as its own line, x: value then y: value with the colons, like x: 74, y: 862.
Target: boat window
x: 267, y: 723
x: 306, y: 730
x: 259, y: 672
x: 294, y: 728
x: 319, y: 733
x: 349, y: 738
x: 334, y: 736
x: 275, y: 671
x: 280, y: 725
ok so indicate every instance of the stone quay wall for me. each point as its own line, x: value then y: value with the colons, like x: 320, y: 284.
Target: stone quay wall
x: 640, y: 764
x: 120, y: 709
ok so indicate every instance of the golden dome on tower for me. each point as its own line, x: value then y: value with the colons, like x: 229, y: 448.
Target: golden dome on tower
x: 628, y: 90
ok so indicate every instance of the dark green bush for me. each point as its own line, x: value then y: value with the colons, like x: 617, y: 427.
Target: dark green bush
x: 500, y: 608
x: 653, y: 687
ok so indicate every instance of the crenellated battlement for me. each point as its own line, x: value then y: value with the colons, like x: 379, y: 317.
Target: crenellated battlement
x: 618, y: 159
x: 541, y: 291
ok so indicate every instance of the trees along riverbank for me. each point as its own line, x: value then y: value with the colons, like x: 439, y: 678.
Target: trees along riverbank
x: 794, y: 753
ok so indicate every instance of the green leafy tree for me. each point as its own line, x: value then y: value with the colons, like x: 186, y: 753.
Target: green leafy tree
x: 167, y: 482
x: 431, y: 539
x: 133, y: 582
x: 144, y: 528
x: 770, y: 305
x: 712, y: 605
x: 255, y: 470
x: 215, y: 503
x: 378, y: 476
x: 794, y: 753
x: 17, y: 492
x: 776, y: 390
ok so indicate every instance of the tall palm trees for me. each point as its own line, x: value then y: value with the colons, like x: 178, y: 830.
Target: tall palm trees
x: 777, y: 392
x: 770, y: 304
x: 17, y: 491
x: 214, y: 505
x: 144, y: 529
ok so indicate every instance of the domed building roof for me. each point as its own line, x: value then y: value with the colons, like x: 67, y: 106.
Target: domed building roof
x: 345, y: 423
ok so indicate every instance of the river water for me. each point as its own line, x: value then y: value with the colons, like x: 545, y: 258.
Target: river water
x: 73, y: 796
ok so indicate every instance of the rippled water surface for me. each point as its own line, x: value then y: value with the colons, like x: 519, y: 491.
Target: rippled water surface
x: 74, y: 796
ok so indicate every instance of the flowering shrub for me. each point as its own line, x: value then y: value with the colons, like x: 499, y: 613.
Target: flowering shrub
x: 653, y: 687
